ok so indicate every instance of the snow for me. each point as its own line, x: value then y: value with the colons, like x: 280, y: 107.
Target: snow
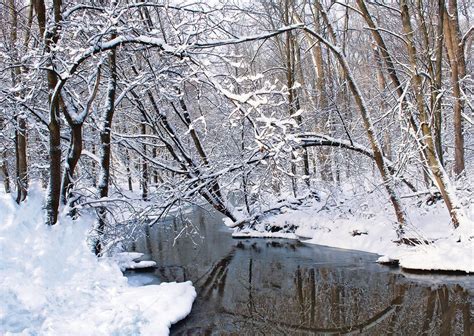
x: 443, y: 256
x: 141, y: 264
x: 52, y: 284
x: 385, y: 260
x: 366, y: 224
x: 263, y: 234
x: 128, y: 260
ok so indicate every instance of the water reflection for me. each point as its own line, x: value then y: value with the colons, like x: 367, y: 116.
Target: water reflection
x: 281, y: 287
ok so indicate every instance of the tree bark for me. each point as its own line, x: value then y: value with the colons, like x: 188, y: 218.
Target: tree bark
x: 6, y: 175
x: 21, y: 160
x: 437, y: 86
x: 74, y: 153
x: 440, y: 177
x: 289, y: 58
x: 105, y: 146
x: 129, y: 172
x: 322, y: 120
x: 387, y: 142
x: 458, y: 72
x: 144, y: 179
x: 20, y: 131
x: 50, y: 38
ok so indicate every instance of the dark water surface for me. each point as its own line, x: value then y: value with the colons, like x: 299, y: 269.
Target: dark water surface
x: 285, y: 287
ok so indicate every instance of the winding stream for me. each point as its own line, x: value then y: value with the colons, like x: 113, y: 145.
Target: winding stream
x: 285, y: 287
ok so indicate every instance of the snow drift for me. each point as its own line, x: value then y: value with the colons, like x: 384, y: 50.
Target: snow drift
x: 363, y: 223
x: 52, y: 284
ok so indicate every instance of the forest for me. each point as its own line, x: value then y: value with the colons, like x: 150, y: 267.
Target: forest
x: 345, y: 123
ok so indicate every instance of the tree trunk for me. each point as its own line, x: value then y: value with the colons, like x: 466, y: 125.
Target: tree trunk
x: 156, y: 175
x: 390, y: 67
x: 20, y: 131
x: 54, y: 186
x: 387, y: 142
x: 105, y: 146
x: 369, y: 128
x: 436, y: 95
x: 75, y: 121
x: 458, y: 72
x: 129, y: 172
x: 322, y: 120
x: 299, y: 97
x: 440, y: 177
x: 50, y: 38
x: 6, y: 175
x: 21, y: 160
x: 435, y: 83
x: 144, y: 179
x: 94, y: 167
x: 289, y: 56
x: 74, y: 154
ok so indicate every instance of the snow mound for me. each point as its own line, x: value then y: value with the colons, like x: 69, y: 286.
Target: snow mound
x: 52, y: 284
x: 387, y: 260
x: 445, y: 255
x: 129, y: 260
x: 434, y: 243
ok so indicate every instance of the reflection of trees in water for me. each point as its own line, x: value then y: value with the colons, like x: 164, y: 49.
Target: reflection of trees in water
x: 215, y: 279
x: 271, y: 298
x: 448, y: 312
x: 260, y: 287
x: 330, y: 301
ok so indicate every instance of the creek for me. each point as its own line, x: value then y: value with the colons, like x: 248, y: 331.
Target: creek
x: 261, y: 286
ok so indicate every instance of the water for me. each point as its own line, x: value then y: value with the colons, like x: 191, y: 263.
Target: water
x: 285, y: 287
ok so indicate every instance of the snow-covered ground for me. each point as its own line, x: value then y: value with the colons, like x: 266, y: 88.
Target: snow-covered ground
x: 52, y: 284
x: 364, y: 222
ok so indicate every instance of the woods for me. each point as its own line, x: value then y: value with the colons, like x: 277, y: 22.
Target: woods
x: 234, y: 103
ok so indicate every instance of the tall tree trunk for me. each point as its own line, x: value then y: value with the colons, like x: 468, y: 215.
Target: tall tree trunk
x: 435, y: 76
x: 289, y: 57
x: 54, y: 187
x: 21, y: 160
x: 50, y: 38
x: 387, y: 142
x: 299, y: 97
x: 105, y: 147
x: 458, y: 72
x: 20, y: 131
x: 436, y: 94
x: 440, y: 177
x: 144, y: 179
x: 4, y: 161
x: 323, y: 105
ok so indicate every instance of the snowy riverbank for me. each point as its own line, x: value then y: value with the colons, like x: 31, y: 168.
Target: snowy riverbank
x: 368, y: 226
x: 52, y: 284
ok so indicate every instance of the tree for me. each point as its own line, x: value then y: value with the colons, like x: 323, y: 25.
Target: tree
x: 455, y: 52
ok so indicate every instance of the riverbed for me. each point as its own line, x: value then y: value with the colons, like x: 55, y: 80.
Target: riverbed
x: 286, y: 287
